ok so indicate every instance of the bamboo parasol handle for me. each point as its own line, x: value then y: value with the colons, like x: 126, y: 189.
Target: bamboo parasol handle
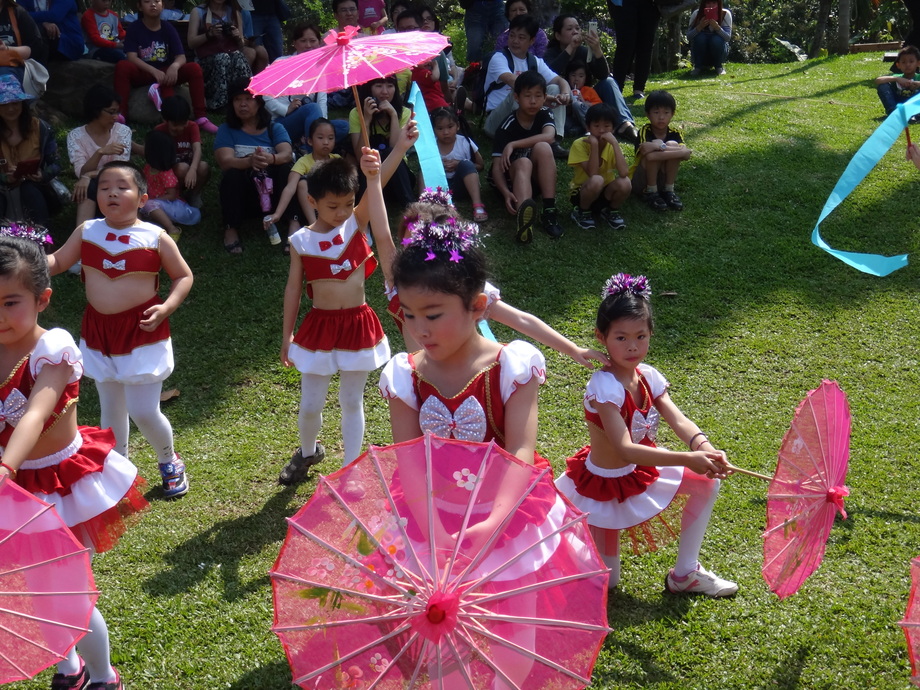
x: 359, y: 106
x: 749, y: 473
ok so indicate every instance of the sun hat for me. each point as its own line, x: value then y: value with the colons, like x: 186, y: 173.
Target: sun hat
x: 11, y: 90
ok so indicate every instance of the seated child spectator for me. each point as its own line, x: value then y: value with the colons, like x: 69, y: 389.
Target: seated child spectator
x: 428, y: 78
x: 659, y: 154
x: 900, y: 86
x: 59, y: 23
x: 506, y: 65
x: 322, y: 139
x: 461, y: 158
x: 156, y: 56
x: 103, y: 32
x: 600, y: 180
x: 709, y: 33
x: 522, y: 152
x: 583, y: 96
x: 164, y: 205
x: 192, y: 172
x: 372, y: 16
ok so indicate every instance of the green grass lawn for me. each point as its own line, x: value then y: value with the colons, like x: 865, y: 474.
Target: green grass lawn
x: 758, y: 316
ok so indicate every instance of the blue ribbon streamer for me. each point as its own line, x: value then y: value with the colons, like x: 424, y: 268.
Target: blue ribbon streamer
x: 866, y: 158
x: 426, y: 147
x: 486, y: 331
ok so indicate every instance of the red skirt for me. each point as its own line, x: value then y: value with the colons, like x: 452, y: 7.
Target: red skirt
x: 607, y: 488
x: 120, y: 334
x: 331, y: 340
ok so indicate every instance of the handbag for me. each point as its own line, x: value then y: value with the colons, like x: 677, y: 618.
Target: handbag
x: 35, y: 81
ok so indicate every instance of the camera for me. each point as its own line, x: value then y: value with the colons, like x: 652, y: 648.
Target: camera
x: 226, y: 29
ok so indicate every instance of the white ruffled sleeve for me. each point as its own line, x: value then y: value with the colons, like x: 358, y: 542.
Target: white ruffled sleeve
x: 54, y: 347
x: 657, y: 383
x: 603, y: 387
x: 396, y: 381
x: 520, y: 362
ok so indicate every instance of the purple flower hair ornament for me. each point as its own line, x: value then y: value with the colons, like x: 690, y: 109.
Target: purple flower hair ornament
x: 437, y: 195
x: 450, y: 236
x: 33, y: 233
x: 620, y: 283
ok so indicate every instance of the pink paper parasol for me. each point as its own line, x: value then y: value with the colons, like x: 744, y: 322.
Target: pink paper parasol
x: 387, y: 580
x: 911, y: 621
x: 347, y: 60
x: 808, y: 489
x: 47, y: 592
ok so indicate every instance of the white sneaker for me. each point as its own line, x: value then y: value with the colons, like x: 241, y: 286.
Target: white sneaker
x: 700, y: 581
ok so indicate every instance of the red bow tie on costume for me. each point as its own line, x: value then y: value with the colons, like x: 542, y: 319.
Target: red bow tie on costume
x: 124, y: 239
x: 324, y: 245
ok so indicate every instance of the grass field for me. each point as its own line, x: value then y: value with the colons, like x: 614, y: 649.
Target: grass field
x: 758, y: 316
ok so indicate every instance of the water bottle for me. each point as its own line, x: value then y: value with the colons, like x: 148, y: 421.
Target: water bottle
x: 272, y: 230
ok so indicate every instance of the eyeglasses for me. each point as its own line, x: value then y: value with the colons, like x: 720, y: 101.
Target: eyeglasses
x: 348, y: 10
x: 110, y: 111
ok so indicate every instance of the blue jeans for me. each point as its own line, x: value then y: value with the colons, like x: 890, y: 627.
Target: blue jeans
x: 457, y: 184
x: 298, y: 124
x: 610, y: 94
x: 890, y: 95
x: 708, y: 49
x: 483, y: 17
x: 266, y: 28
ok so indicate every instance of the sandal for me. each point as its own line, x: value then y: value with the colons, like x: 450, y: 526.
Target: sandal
x: 233, y: 247
x: 479, y: 213
x: 296, y: 469
x: 286, y: 248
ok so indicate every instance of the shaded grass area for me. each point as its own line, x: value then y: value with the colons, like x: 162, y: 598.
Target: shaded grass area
x: 759, y: 317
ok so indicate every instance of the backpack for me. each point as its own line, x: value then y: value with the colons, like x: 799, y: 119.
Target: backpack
x: 476, y: 75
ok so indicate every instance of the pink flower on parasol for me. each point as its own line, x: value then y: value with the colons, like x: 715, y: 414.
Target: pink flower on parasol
x: 808, y: 489
x: 911, y: 621
x: 347, y: 60
x: 47, y: 592
x: 490, y: 582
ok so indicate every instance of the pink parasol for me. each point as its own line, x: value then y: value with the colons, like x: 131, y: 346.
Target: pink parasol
x: 808, y: 489
x: 911, y: 621
x: 347, y: 60
x: 47, y: 592
x: 439, y: 564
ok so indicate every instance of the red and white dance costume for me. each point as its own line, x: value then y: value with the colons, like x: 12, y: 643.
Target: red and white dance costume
x: 477, y: 414
x: 92, y: 487
x: 348, y: 341
x: 394, y: 308
x: 127, y: 363
x: 633, y: 498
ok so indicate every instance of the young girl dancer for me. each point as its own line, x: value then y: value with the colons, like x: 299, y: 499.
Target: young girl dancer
x: 74, y: 468
x: 125, y: 332
x: 462, y: 385
x: 436, y: 205
x: 622, y: 479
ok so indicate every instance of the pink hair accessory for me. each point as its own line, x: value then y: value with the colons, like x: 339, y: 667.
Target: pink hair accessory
x: 437, y: 195
x: 33, y: 233
x: 623, y: 282
x: 450, y: 236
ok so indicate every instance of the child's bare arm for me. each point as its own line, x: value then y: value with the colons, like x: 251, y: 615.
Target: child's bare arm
x: 620, y: 160
x: 293, y: 291
x: 68, y: 254
x: 304, y: 199
x: 380, y: 226
x: 191, y: 177
x: 290, y: 189
x: 539, y: 330
x: 181, y: 276
x: 593, y: 164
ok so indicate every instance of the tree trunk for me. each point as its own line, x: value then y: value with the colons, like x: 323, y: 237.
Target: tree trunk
x: 824, y: 11
x: 545, y: 11
x: 842, y: 44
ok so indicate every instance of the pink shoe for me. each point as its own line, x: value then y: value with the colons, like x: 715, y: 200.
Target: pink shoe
x: 206, y: 125
x: 153, y: 93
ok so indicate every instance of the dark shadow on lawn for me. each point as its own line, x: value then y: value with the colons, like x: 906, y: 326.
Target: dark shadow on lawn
x: 223, y: 546
x: 788, y: 674
x: 273, y: 676
x: 651, y: 675
x: 625, y: 610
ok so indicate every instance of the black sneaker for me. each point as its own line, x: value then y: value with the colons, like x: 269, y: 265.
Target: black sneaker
x: 583, y: 218
x: 654, y: 201
x: 559, y: 152
x: 296, y: 469
x: 551, y: 224
x: 613, y: 218
x: 628, y: 133
x: 672, y: 200
x: 526, y: 214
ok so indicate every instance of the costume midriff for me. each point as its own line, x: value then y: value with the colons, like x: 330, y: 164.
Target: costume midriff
x: 330, y: 340
x: 622, y: 497
x: 477, y: 413
x: 92, y: 487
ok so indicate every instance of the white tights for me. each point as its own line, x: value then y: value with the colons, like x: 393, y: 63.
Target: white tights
x: 701, y: 497
x: 94, y: 648
x: 141, y: 403
x: 313, y: 389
